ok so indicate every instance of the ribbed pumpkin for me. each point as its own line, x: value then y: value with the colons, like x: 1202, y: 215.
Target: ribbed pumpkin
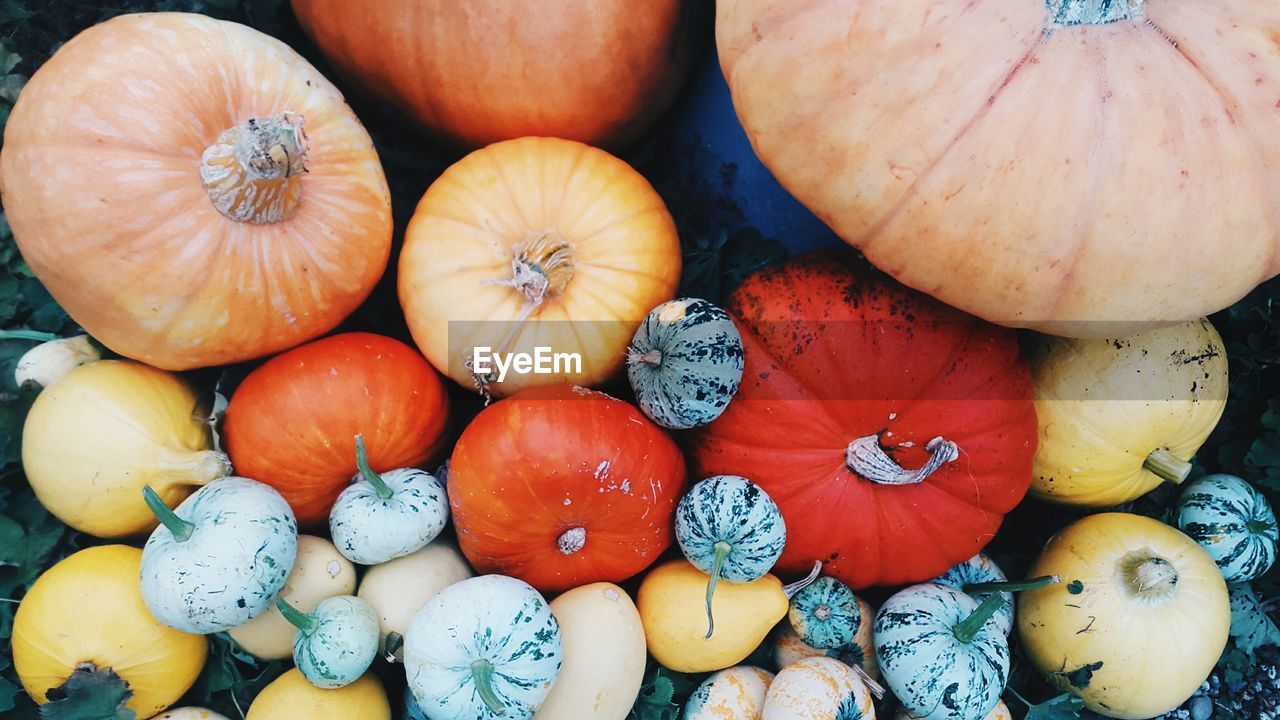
x: 1065, y: 165
x: 536, y: 243
x: 850, y: 380
x: 292, y: 422
x: 599, y: 71
x: 192, y: 191
x: 563, y: 486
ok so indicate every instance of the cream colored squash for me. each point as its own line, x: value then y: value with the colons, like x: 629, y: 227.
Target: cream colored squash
x: 817, y: 688
x: 397, y: 590
x: 1000, y: 713
x: 190, y: 713
x: 604, y: 655
x: 319, y: 572
x: 735, y: 693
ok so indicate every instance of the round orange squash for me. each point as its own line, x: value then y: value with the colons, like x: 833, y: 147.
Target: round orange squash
x: 475, y: 72
x: 535, y: 243
x: 1081, y: 167
x: 192, y: 191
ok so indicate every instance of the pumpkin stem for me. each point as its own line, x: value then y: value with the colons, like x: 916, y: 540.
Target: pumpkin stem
x: 572, y: 540
x: 1152, y: 573
x: 804, y: 582
x: 393, y: 645
x: 1093, y: 12
x: 967, y: 629
x: 722, y: 550
x: 482, y: 674
x: 868, y: 459
x: 296, y: 617
x: 380, y: 486
x: 1164, y: 465
x: 251, y: 172
x: 652, y: 358
x: 33, y: 335
x: 181, y: 529
x: 1018, y: 586
x: 1259, y: 527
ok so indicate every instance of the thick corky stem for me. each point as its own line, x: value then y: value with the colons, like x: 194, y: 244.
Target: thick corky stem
x: 865, y: 457
x: 251, y: 172
x: 1164, y: 464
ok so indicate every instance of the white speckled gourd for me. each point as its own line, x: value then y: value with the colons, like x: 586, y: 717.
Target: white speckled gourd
x: 336, y: 643
x: 941, y: 652
x: 1230, y: 519
x: 411, y: 709
x: 685, y: 363
x: 1000, y: 713
x: 981, y: 569
x: 729, y: 527
x: 818, y: 688
x: 219, y: 558
x: 381, y: 517
x: 788, y: 647
x: 737, y: 692
x: 484, y: 648
x: 826, y: 614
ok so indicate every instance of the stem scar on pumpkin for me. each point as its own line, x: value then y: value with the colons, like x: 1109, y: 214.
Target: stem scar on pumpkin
x: 867, y: 458
x: 251, y: 171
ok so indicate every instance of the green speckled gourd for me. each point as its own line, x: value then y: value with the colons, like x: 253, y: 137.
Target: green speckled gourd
x: 729, y: 528
x: 685, y: 363
x: 484, y: 648
x: 336, y: 642
x: 981, y: 569
x: 826, y: 615
x: 1230, y: 519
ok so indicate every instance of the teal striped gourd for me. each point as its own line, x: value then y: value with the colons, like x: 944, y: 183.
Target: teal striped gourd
x: 981, y: 569
x: 1230, y: 519
x: 826, y: 615
x: 336, y: 642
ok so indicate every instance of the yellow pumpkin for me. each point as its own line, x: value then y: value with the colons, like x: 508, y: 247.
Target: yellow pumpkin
x: 192, y: 191
x: 1118, y: 417
x: 291, y: 697
x: 1138, y: 621
x: 672, y: 604
x: 535, y: 243
x: 1000, y: 713
x: 94, y: 438
x: 87, y: 610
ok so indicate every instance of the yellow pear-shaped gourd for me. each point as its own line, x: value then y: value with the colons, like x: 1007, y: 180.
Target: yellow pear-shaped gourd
x: 1119, y: 417
x: 87, y: 612
x: 292, y: 697
x: 94, y: 438
x: 1138, y: 621
x: 672, y: 603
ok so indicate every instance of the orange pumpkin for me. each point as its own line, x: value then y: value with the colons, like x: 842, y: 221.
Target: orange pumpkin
x: 292, y: 422
x: 192, y: 191
x: 564, y: 486
x: 475, y: 72
x: 531, y: 243
x: 1079, y: 169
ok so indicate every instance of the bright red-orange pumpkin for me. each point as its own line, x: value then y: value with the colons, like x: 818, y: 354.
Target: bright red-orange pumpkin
x: 562, y: 486
x: 894, y: 432
x: 292, y: 422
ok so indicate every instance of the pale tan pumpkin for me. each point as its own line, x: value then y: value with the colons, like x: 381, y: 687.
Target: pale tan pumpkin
x: 1063, y: 177
x: 192, y: 191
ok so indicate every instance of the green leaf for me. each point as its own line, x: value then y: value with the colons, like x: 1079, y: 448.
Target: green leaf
x: 89, y: 694
x: 1062, y: 707
x: 1250, y: 626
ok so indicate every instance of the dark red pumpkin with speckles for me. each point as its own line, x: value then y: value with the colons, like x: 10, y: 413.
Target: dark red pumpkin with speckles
x: 893, y: 431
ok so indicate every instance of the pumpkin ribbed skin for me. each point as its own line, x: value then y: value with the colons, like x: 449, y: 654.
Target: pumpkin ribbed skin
x: 835, y: 353
x: 292, y: 423
x: 1060, y: 177
x: 1233, y: 521
x: 130, y: 242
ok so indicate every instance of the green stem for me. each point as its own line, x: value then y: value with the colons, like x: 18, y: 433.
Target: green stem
x: 296, y: 617
x: 180, y: 528
x: 1259, y: 527
x: 967, y: 629
x: 722, y: 549
x: 393, y: 645
x: 34, y: 335
x: 482, y: 674
x: 362, y: 463
x: 1017, y: 586
x: 1164, y: 465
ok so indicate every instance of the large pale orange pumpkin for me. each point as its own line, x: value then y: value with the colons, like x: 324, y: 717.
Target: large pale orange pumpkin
x: 1063, y: 168
x: 535, y: 243
x: 475, y: 72
x: 192, y: 191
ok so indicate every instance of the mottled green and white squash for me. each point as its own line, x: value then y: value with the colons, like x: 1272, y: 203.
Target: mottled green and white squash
x: 826, y: 614
x: 219, y: 558
x: 788, y: 647
x: 981, y: 569
x: 943, y: 654
x: 411, y: 709
x: 381, y: 517
x: 484, y: 648
x: 818, y: 688
x: 336, y: 643
x: 729, y: 528
x: 685, y: 363
x: 735, y: 693
x: 1230, y: 519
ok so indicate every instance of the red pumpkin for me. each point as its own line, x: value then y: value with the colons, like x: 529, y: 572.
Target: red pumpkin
x: 562, y: 486
x: 849, y: 380
x: 292, y: 422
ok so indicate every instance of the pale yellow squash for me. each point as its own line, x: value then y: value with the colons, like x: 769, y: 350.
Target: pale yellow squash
x: 1138, y: 621
x: 816, y: 688
x: 397, y: 590
x: 94, y: 438
x: 291, y: 697
x: 604, y: 655
x: 190, y: 713
x: 319, y: 572
x: 1118, y: 417
x: 1000, y: 713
